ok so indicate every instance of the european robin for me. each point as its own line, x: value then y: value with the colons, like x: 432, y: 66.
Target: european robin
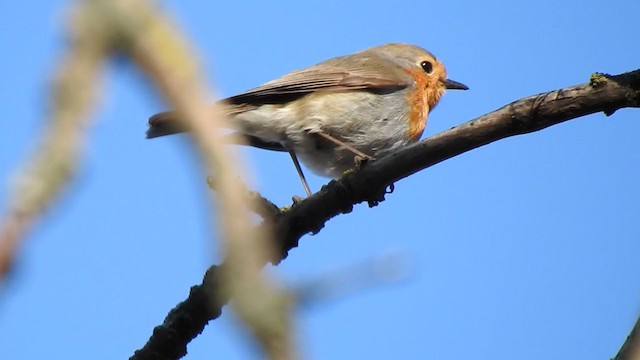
x: 339, y: 112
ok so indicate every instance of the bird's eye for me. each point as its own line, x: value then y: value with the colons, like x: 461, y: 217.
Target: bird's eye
x: 427, y: 66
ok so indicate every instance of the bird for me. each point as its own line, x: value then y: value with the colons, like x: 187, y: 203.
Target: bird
x: 338, y: 113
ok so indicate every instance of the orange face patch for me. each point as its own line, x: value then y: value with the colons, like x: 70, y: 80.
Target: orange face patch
x: 417, y: 99
x: 422, y: 98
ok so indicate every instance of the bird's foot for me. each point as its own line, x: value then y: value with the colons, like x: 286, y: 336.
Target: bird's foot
x: 360, y: 160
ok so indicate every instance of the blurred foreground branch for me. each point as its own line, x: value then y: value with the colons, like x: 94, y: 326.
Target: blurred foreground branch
x: 603, y: 93
x: 179, y: 79
x: 138, y: 31
x: 55, y: 160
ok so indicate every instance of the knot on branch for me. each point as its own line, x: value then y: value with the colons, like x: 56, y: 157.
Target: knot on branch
x: 344, y: 193
x: 598, y: 79
x: 375, y: 197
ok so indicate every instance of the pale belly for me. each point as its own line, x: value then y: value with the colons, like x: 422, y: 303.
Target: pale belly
x: 375, y: 124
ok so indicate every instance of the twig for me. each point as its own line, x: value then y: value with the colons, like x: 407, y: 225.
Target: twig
x: 260, y: 204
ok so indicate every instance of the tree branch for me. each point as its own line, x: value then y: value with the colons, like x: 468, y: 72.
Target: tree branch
x: 630, y: 350
x: 603, y: 93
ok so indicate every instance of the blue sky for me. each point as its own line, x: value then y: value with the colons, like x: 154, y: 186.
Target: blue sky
x: 526, y: 248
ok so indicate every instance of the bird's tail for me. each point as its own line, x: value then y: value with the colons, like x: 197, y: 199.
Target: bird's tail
x: 162, y: 124
x: 166, y: 123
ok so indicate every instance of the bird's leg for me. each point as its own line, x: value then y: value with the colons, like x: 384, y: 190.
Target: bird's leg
x: 355, y: 151
x: 296, y: 163
x: 359, y: 157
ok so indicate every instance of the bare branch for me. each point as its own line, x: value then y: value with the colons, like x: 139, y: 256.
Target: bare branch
x: 260, y: 205
x: 187, y: 320
x: 630, y: 350
x: 603, y: 93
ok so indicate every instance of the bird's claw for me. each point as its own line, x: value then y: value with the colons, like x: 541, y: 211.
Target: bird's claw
x: 297, y: 199
x: 360, y: 161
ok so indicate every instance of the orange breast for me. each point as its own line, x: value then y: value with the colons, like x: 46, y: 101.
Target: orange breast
x: 418, y: 99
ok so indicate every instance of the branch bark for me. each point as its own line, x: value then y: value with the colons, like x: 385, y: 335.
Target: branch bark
x: 603, y: 93
x: 630, y: 349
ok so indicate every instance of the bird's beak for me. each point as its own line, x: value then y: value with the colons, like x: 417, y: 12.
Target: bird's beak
x: 454, y: 85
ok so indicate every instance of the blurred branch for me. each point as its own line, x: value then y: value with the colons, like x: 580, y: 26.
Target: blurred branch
x: 355, y: 278
x: 55, y: 160
x: 176, y: 74
x: 162, y: 54
x: 137, y: 30
x: 603, y: 93
x: 260, y: 205
x: 630, y: 350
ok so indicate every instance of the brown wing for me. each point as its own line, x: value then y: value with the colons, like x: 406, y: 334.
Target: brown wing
x: 360, y: 72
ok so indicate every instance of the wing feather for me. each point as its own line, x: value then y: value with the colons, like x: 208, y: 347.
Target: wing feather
x: 364, y: 72
x: 338, y: 74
